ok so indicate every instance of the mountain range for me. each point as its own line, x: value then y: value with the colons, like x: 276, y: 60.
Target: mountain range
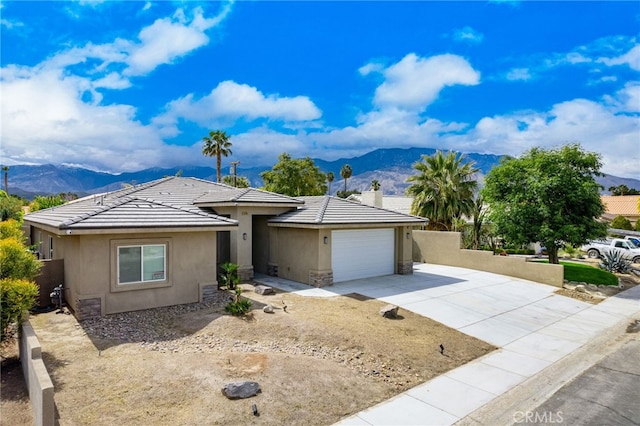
x: 391, y: 167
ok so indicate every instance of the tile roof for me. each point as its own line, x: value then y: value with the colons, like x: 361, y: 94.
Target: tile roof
x: 328, y: 210
x: 622, y: 205
x: 245, y: 196
x: 164, y: 203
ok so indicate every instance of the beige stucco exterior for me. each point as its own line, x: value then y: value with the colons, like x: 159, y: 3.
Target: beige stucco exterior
x: 443, y: 248
x: 90, y: 270
x: 301, y: 254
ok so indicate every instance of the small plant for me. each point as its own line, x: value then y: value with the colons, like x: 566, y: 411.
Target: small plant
x: 614, y: 261
x: 570, y: 250
x: 230, y: 277
x: 239, y: 306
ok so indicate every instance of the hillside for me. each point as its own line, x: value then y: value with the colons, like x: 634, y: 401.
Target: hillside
x: 391, y: 167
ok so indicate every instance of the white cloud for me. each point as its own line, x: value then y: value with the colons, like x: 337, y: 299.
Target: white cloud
x: 45, y: 120
x: 630, y: 58
x: 519, y: 74
x: 415, y: 82
x: 170, y: 38
x: 627, y: 99
x: 468, y: 35
x: 230, y: 101
x: 596, y: 127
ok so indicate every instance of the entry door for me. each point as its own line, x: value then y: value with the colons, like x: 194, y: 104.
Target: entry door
x: 362, y: 253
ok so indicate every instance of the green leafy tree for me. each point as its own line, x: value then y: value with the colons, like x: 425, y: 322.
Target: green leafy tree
x: 443, y: 189
x: 10, y: 207
x: 237, y: 181
x: 295, y: 177
x: 375, y: 185
x: 346, y: 172
x: 5, y: 169
x: 621, y: 222
x: 45, y: 202
x: 623, y: 190
x: 217, y: 145
x: 478, y: 215
x: 547, y: 196
x: 330, y: 178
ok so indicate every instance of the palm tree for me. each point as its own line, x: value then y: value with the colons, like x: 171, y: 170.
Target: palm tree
x: 346, y: 173
x: 443, y: 189
x: 217, y: 144
x: 330, y: 178
x: 5, y: 169
x: 375, y: 185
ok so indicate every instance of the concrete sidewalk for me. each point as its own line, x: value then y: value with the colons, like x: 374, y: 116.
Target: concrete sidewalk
x: 533, y: 327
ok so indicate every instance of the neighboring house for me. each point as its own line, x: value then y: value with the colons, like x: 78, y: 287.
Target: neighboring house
x: 160, y: 243
x: 621, y: 205
x: 396, y: 203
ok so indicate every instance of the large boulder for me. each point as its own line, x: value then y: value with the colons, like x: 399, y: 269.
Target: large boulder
x: 263, y: 289
x: 240, y: 390
x: 389, y: 311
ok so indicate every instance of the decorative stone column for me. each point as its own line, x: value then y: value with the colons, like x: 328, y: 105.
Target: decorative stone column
x: 321, y: 278
x: 272, y: 269
x: 405, y: 267
x: 245, y: 273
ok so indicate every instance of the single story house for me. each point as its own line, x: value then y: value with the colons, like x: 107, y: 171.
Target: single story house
x: 161, y: 243
x: 621, y: 205
x: 396, y: 203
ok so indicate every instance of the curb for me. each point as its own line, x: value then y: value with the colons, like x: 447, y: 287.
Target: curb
x: 529, y: 394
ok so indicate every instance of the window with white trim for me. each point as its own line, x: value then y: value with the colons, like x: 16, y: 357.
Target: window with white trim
x: 50, y: 247
x: 142, y: 263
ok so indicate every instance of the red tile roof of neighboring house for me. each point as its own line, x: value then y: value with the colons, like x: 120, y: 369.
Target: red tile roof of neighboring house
x: 621, y: 205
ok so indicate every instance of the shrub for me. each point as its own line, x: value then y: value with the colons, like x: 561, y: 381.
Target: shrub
x: 16, y: 297
x: 621, y: 222
x: 17, y: 261
x: 637, y: 228
x: 614, y: 261
x: 238, y: 306
x: 11, y: 229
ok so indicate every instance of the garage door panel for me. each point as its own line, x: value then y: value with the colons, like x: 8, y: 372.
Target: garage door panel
x: 362, y: 253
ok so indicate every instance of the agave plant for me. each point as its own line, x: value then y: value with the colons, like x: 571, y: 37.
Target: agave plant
x: 614, y: 261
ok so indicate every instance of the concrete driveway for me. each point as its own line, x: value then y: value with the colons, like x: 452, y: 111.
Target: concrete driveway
x: 532, y: 326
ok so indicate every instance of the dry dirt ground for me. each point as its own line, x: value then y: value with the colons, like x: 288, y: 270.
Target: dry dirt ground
x: 317, y: 361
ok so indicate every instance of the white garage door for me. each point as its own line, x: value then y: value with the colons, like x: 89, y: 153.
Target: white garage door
x: 362, y: 253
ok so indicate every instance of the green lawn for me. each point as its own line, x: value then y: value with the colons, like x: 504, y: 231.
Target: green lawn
x: 586, y: 273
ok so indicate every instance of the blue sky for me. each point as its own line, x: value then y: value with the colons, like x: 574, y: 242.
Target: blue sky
x: 122, y: 86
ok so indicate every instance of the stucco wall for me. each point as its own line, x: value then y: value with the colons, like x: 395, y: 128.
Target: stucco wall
x: 37, y: 378
x: 297, y: 253
x: 90, y: 270
x: 443, y: 248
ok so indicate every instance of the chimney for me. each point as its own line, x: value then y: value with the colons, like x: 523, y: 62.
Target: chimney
x: 372, y: 198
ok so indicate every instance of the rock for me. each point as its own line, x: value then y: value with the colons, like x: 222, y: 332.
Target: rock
x: 268, y: 309
x: 240, y: 390
x: 580, y: 288
x: 592, y: 286
x: 389, y: 311
x: 263, y: 289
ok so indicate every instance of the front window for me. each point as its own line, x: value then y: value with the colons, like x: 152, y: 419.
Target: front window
x: 142, y: 263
